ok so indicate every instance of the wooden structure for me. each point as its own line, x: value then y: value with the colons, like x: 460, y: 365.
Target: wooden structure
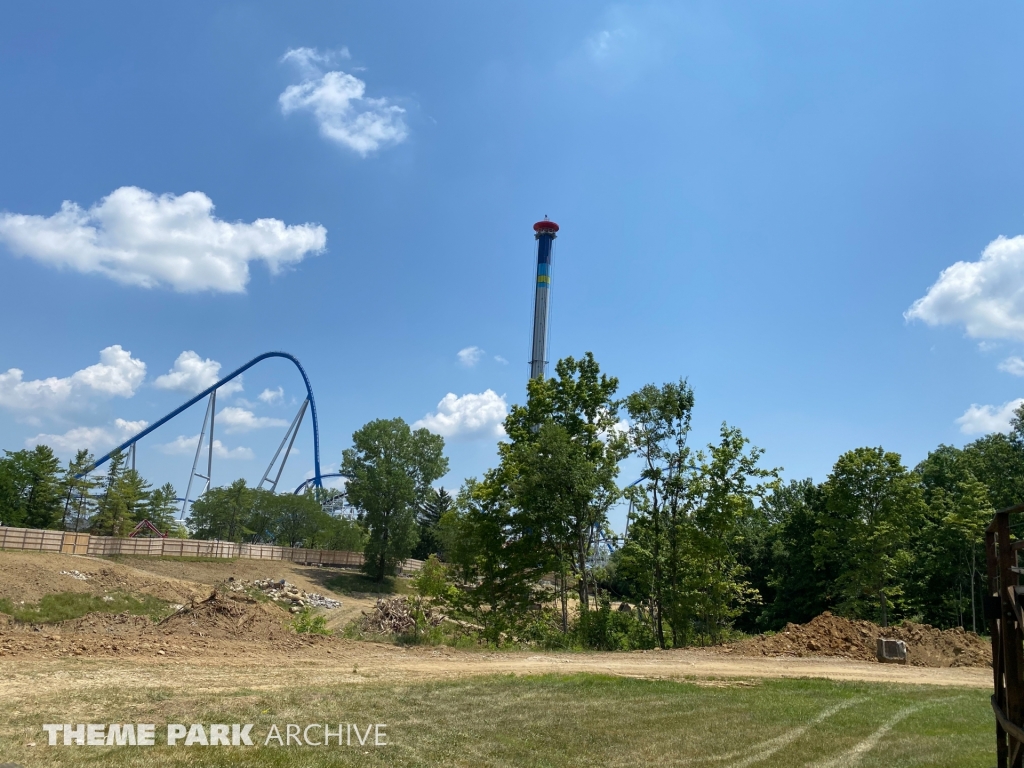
x: 1004, y: 610
x: 86, y: 544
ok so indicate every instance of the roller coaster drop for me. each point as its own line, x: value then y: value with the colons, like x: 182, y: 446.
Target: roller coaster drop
x: 286, y: 443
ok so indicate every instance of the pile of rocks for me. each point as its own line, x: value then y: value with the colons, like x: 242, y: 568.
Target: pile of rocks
x: 75, y: 575
x: 281, y: 591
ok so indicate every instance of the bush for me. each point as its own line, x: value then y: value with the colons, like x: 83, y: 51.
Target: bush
x: 608, y: 630
x: 309, y: 622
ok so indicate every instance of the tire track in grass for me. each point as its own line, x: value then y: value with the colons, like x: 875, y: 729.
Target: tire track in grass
x: 853, y: 755
x: 766, y: 749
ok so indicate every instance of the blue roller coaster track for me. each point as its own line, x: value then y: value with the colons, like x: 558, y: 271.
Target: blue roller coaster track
x: 305, y: 484
x: 317, y: 478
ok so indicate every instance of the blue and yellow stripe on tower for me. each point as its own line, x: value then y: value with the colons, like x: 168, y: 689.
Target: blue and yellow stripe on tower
x: 545, y: 232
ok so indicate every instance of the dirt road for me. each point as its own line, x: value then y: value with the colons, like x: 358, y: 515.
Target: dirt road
x: 350, y: 662
x: 103, y: 651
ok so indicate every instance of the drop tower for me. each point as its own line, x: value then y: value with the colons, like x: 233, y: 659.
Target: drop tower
x: 545, y: 233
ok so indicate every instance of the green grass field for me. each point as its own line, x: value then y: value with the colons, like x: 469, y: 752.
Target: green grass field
x: 581, y: 720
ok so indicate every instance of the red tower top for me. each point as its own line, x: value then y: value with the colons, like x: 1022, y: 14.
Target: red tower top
x: 545, y: 226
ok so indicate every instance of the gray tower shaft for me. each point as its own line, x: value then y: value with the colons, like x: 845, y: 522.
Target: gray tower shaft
x: 545, y: 233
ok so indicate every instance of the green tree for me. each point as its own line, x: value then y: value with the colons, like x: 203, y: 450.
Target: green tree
x: 429, y: 514
x: 123, y: 502
x: 78, y: 488
x: 945, y: 584
x: 873, y: 503
x: 658, y: 432
x: 298, y: 519
x: 30, y: 488
x: 800, y: 585
x: 496, y: 567
x: 559, y: 467
x: 391, y: 467
x: 224, y: 513
x: 162, y: 509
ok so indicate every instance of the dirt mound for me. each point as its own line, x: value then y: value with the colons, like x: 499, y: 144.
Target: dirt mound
x: 829, y: 635
x: 29, y: 576
x: 228, y: 616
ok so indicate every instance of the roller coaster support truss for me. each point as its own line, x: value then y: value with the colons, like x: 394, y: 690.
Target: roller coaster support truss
x: 130, y: 443
x: 289, y: 438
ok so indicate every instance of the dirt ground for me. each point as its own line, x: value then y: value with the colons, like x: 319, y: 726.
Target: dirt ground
x: 226, y: 640
x: 834, y: 636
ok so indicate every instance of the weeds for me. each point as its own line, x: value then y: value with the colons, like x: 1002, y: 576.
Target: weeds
x: 65, y: 606
x: 309, y: 622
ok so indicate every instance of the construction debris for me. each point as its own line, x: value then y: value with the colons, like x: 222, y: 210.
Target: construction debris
x: 281, y: 591
x: 75, y: 575
x: 396, y: 615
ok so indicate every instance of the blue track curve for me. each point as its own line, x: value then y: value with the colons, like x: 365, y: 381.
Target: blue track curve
x: 305, y: 483
x: 317, y: 477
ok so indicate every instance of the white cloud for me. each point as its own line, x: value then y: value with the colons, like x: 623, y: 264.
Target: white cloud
x: 308, y: 60
x: 987, y: 296
x: 983, y: 419
x: 470, y: 415
x: 271, y: 396
x: 187, y: 445
x: 94, y: 439
x: 116, y: 374
x: 192, y: 374
x: 470, y: 356
x: 500, y: 359
x: 338, y: 102
x: 240, y: 420
x: 138, y: 238
x: 1013, y: 365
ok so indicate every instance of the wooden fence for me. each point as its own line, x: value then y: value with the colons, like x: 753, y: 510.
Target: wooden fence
x: 85, y: 544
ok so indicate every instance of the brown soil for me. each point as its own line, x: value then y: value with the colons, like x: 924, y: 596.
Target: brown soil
x: 829, y: 635
x: 28, y: 576
x: 225, y: 637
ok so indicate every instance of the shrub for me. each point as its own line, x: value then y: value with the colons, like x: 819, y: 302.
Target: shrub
x: 309, y: 622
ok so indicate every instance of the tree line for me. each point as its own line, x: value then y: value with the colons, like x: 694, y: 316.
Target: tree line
x: 716, y: 541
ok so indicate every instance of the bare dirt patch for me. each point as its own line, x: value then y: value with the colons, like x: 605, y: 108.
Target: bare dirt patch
x: 833, y: 636
x: 230, y: 637
x: 29, y: 576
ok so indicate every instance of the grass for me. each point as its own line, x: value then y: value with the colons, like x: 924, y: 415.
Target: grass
x: 72, y: 605
x: 536, y: 722
x: 357, y: 584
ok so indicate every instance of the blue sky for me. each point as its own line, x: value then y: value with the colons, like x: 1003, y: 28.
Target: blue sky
x: 762, y: 198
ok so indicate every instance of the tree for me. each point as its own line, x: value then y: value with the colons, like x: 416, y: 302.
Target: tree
x: 297, y: 519
x: 800, y: 585
x: 721, y: 495
x: 497, y: 569
x: 659, y: 428
x: 162, y: 509
x: 873, y: 503
x: 559, y: 467
x: 945, y: 581
x: 391, y: 467
x: 223, y: 513
x: 429, y: 514
x: 30, y: 488
x: 78, y: 489
x: 123, y: 501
